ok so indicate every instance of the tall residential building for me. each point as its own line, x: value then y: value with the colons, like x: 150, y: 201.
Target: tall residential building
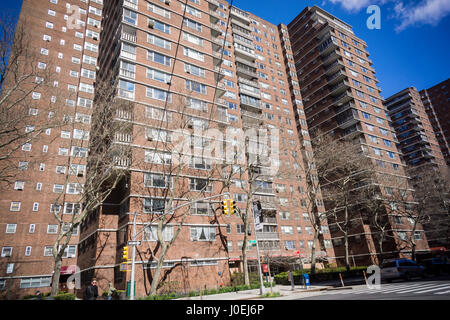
x: 436, y: 101
x: 341, y: 98
x: 63, y: 39
x: 417, y: 139
x: 195, y: 65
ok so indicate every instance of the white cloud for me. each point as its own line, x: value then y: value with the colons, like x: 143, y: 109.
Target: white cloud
x: 427, y: 12
x: 354, y: 5
x: 413, y: 13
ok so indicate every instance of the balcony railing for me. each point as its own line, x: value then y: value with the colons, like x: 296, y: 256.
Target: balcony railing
x: 247, y: 72
x: 267, y: 235
x: 130, y: 5
x: 256, y: 104
x: 128, y: 37
x: 127, y: 73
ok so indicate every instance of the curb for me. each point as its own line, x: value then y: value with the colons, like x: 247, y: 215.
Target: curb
x: 290, y: 292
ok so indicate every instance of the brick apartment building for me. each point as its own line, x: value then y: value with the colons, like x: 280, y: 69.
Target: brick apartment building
x: 341, y: 97
x: 64, y: 36
x: 415, y: 134
x: 436, y: 102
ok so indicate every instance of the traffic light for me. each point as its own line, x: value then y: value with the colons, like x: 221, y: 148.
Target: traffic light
x: 232, y: 210
x: 125, y: 253
x: 225, y: 207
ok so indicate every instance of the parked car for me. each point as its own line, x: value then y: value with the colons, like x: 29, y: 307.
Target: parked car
x: 436, y: 266
x: 401, y: 269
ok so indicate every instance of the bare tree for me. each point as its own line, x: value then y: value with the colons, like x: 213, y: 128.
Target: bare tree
x: 426, y: 205
x: 107, y: 166
x: 27, y: 84
x: 343, y: 171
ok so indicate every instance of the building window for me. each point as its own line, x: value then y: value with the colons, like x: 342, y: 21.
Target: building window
x: 203, y: 233
x: 6, y: 252
x: 150, y: 233
x: 15, y: 206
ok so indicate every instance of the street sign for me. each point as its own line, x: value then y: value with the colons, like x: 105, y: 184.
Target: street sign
x: 134, y: 243
x: 124, y: 267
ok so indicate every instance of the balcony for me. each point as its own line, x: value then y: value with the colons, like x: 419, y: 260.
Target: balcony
x: 328, y: 46
x: 339, y: 88
x: 332, y: 68
x: 218, y: 74
x: 343, y: 108
x: 242, y: 33
x: 343, y: 98
x: 347, y: 121
x: 127, y: 73
x: 130, y: 5
x: 248, y: 82
x: 123, y: 138
x: 214, y: 17
x: 251, y: 102
x: 337, y: 77
x: 214, y: 4
x: 240, y: 15
x: 220, y: 90
x: 239, y: 51
x: 244, y: 26
x: 215, y: 30
x: 246, y: 73
x: 250, y: 91
x: 331, y: 57
x: 128, y: 37
x: 267, y: 235
x: 246, y: 62
x: 254, y: 115
x: 217, y: 59
x: 251, y: 123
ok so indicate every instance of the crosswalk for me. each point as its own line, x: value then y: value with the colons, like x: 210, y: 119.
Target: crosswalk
x: 415, y: 288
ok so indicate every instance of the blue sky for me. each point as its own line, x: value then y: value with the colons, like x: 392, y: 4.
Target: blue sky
x: 411, y: 48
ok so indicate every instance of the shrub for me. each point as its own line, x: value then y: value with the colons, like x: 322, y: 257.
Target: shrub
x: 65, y: 296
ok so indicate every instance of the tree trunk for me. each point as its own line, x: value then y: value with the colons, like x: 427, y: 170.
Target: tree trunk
x: 244, y: 258
x: 313, y: 251
x: 156, y: 276
x: 347, y: 258
x: 380, y: 245
x: 56, y: 275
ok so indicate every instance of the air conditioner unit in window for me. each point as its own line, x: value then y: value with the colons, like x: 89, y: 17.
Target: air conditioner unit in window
x: 150, y: 138
x: 151, y: 24
x: 167, y: 2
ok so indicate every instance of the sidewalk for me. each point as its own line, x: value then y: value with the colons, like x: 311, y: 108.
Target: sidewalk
x: 285, y: 291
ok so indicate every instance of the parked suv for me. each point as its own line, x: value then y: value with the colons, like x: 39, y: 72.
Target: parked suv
x: 401, y: 268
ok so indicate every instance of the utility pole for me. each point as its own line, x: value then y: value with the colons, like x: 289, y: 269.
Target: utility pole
x: 261, y: 289
x: 133, y: 257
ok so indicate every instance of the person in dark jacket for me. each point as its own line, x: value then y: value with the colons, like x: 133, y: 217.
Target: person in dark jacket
x: 91, y: 292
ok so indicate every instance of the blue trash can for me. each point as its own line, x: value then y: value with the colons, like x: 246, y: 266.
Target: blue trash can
x: 307, y: 283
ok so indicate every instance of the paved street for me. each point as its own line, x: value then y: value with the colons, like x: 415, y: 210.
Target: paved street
x: 422, y: 289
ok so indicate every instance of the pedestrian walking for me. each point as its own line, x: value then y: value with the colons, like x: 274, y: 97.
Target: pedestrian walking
x: 111, y: 291
x: 91, y: 292
x: 38, y: 295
